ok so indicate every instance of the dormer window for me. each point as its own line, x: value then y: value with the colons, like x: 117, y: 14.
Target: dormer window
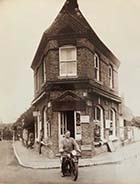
x: 67, y: 61
x: 110, y: 76
x: 97, y: 67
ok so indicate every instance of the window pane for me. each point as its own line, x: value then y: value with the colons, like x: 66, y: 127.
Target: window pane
x: 110, y: 72
x: 97, y: 64
x: 111, y: 115
x: 98, y: 114
x: 78, y: 126
x: 96, y: 73
x: 96, y: 61
x: 63, y: 54
x: 68, y: 54
x: 68, y: 68
x: 63, y: 69
x: 71, y: 68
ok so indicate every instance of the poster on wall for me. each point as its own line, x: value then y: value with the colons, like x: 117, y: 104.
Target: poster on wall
x: 85, y: 119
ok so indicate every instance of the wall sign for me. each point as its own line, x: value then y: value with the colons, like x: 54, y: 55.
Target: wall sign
x: 107, y: 123
x: 85, y: 119
x: 35, y: 113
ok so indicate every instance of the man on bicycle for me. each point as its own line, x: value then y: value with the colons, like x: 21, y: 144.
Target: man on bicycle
x: 67, y: 145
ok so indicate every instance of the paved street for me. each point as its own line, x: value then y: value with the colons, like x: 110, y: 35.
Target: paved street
x: 11, y: 173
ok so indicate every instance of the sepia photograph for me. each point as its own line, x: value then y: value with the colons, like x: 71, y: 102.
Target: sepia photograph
x: 70, y: 87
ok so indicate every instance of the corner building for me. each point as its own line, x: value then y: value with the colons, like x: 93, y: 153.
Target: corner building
x: 76, y: 85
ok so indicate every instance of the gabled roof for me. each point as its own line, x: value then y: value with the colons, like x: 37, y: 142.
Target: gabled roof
x: 71, y: 17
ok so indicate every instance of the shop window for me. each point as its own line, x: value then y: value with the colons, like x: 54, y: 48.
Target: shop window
x: 68, y: 61
x: 112, y: 129
x: 99, y: 126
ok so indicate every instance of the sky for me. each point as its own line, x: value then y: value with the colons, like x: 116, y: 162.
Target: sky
x: 22, y: 23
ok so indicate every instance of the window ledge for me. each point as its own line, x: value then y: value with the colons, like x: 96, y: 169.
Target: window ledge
x: 97, y: 144
x: 43, y: 84
x: 68, y: 77
x: 99, y: 82
x: 37, y: 140
x: 101, y: 142
x: 113, y: 138
x: 46, y: 142
x: 111, y: 89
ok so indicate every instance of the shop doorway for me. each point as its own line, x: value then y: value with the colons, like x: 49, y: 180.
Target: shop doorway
x: 66, y: 122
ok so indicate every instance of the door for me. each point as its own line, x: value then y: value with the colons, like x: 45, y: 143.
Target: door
x: 71, y: 123
x: 66, y: 122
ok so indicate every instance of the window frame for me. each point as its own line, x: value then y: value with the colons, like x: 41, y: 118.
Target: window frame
x: 43, y: 65
x: 97, y: 66
x: 113, y: 122
x: 77, y: 122
x: 65, y: 61
x: 110, y: 76
x: 37, y: 79
x: 101, y: 121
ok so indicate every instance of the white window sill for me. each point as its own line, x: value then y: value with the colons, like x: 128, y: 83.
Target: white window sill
x: 101, y: 142
x: 68, y: 77
x: 37, y: 140
x: 112, y: 88
x: 43, y: 84
x: 46, y: 142
x: 113, y: 138
x: 98, y: 81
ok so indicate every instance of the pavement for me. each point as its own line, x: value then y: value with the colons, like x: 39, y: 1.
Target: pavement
x: 29, y: 158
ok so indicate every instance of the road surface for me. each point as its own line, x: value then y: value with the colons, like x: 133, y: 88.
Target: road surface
x: 12, y: 173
